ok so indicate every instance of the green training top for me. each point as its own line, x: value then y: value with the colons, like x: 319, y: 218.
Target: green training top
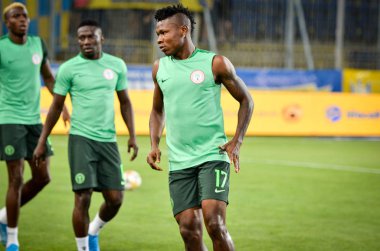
x: 20, y: 81
x: 193, y: 114
x: 92, y: 85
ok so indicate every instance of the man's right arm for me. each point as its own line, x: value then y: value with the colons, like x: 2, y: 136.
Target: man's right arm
x: 51, y: 119
x: 49, y: 81
x: 156, y: 122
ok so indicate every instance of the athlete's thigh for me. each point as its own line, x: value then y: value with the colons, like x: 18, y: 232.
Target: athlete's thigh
x: 15, y: 170
x: 214, y: 210
x: 42, y: 171
x: 110, y: 169
x: 191, y: 218
x: 34, y: 132
x: 113, y: 197
x: 13, y: 142
x: 214, y: 180
x: 183, y: 189
x: 83, y: 161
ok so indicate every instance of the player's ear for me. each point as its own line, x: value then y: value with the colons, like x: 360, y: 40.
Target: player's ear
x: 102, y: 39
x: 184, y: 30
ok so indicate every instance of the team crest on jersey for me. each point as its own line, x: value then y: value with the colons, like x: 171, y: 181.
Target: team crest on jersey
x: 36, y: 59
x: 108, y: 74
x: 197, y: 76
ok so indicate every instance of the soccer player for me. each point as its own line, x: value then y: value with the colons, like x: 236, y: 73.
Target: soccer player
x: 91, y: 78
x: 23, y: 59
x: 187, y: 89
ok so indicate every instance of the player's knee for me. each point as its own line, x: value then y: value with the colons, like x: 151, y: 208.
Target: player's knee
x: 16, y: 181
x: 190, y: 230
x: 216, y: 229
x: 115, y: 201
x: 41, y: 176
x: 82, y: 201
x: 42, y: 181
x: 190, y: 233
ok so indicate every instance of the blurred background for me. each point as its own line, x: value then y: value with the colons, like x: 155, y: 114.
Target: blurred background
x: 304, y: 46
x: 252, y: 33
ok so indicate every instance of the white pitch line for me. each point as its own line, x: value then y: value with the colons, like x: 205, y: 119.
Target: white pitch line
x: 356, y: 169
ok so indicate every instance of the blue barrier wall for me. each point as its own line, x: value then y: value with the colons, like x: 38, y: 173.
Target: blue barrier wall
x: 140, y: 77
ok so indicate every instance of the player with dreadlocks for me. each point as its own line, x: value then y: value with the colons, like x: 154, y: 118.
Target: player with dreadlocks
x: 187, y: 90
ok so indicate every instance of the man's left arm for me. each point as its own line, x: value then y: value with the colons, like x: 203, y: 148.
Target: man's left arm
x: 127, y: 114
x: 224, y: 73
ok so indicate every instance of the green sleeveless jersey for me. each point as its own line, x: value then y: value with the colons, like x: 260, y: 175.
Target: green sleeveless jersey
x: 20, y: 80
x: 92, y: 85
x: 193, y: 114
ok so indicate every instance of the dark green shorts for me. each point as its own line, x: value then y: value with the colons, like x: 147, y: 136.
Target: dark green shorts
x: 188, y: 187
x: 18, y: 141
x: 94, y: 164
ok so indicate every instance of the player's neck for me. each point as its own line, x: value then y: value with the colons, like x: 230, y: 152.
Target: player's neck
x: 18, y: 39
x: 95, y: 56
x: 186, y: 52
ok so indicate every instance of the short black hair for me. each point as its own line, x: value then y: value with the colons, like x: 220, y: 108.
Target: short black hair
x: 89, y: 22
x: 169, y: 11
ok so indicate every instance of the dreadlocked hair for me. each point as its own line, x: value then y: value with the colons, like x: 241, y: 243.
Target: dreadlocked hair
x: 169, y: 11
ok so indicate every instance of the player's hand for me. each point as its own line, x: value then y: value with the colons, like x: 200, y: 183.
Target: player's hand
x: 153, y: 158
x: 39, y: 154
x: 66, y: 116
x: 232, y: 149
x: 132, y: 145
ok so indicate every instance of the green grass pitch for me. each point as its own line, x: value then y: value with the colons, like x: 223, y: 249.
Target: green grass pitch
x: 306, y: 194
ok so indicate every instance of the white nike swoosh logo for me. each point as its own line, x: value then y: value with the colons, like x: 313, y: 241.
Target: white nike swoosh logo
x: 219, y: 191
